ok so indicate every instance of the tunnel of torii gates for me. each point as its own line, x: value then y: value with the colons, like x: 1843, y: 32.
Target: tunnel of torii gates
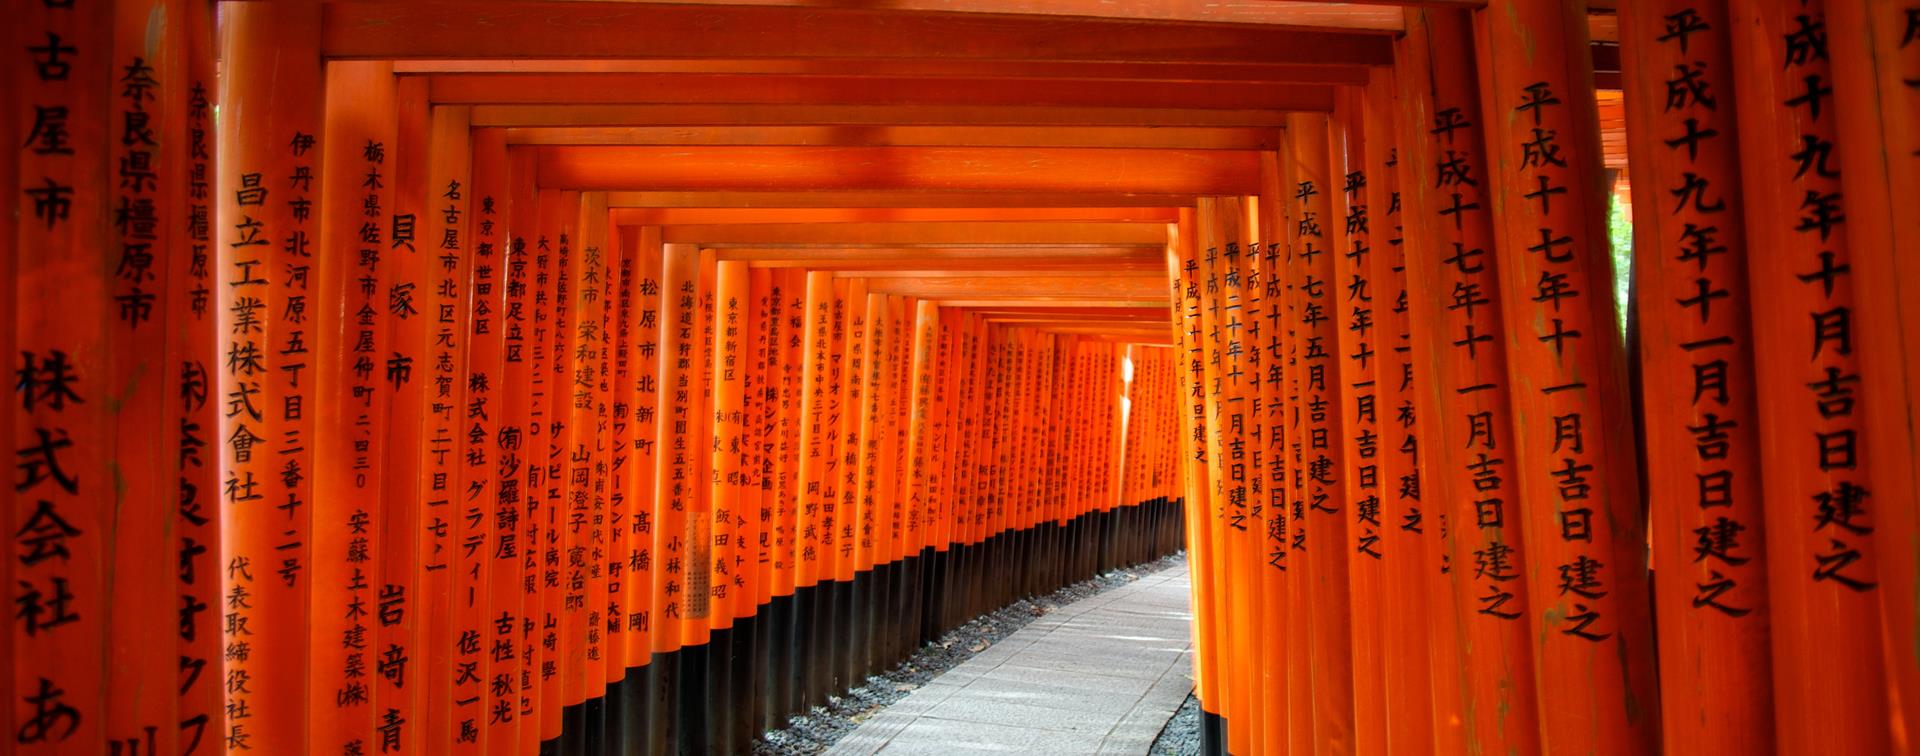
x: 528, y: 377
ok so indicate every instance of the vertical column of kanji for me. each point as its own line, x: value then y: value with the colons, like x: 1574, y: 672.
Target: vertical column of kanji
x: 1298, y: 664
x: 507, y: 658
x: 1575, y: 462
x: 1267, y: 285
x: 619, y: 379
x: 449, y: 160
x: 533, y: 226
x: 396, y: 639
x: 1404, y: 541
x: 1816, y: 479
x: 872, y: 328
x: 905, y: 324
x: 1324, y: 458
x: 559, y: 214
x: 1351, y: 143
x: 700, y: 515
x: 1701, y: 433
x: 1876, y: 69
x: 816, y: 319
x: 847, y: 466
x: 753, y: 552
x: 1227, y: 637
x: 192, y: 339
x: 945, y: 387
x: 729, y: 434
x: 480, y: 524
x: 1240, y: 427
x: 763, y: 423
x: 788, y: 293
x: 643, y: 462
x: 673, y: 486
x: 350, y: 435
x: 584, y: 481
x: 67, y: 329
x: 584, y: 668
x: 269, y: 153
x: 146, y: 73
x: 1483, y: 668
x: 1184, y: 280
x: 920, y: 430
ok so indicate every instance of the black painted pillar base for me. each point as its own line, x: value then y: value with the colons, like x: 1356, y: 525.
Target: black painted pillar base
x: 720, y: 689
x: 743, y: 724
x: 573, y: 730
x: 634, y: 694
x: 778, y: 682
x: 663, y: 691
x: 693, y: 707
x: 1213, y: 734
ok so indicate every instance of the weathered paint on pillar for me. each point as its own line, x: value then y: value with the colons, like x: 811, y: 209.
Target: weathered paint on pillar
x: 1875, y: 48
x: 350, y: 438
x: 1700, y: 425
x: 1405, y: 534
x: 269, y: 145
x: 1816, y: 475
x: 1350, y: 144
x: 1484, y: 671
x: 1324, y: 461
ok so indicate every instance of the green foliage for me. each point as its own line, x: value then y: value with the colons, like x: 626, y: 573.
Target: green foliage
x: 1620, y: 233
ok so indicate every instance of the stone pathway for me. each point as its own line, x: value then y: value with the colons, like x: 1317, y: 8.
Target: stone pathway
x: 1099, y: 676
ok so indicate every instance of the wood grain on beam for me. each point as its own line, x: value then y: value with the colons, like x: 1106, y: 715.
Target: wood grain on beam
x: 872, y: 198
x: 866, y: 115
x: 725, y: 215
x: 1365, y: 16
x: 919, y: 234
x: 946, y: 256
x: 1143, y: 137
x: 759, y: 89
x: 450, y: 29
x: 1028, y: 269
x: 1299, y: 73
x: 983, y: 169
x: 1058, y: 302
x: 1039, y: 286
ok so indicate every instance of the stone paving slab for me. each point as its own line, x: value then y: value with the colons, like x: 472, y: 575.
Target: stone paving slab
x: 1099, y: 676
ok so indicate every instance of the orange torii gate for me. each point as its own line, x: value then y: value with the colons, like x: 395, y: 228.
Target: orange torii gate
x: 652, y: 373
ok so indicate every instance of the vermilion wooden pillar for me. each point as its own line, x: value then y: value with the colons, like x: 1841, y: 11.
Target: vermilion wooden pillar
x: 444, y: 305
x: 587, y: 514
x: 65, y: 327
x: 644, y: 504
x: 484, y: 531
x: 1231, y: 688
x: 1273, y: 467
x: 269, y: 146
x: 679, y: 332
x: 1186, y: 281
x: 193, y: 356
x: 559, y: 218
x: 1324, y: 462
x: 515, y: 543
x: 1575, y: 466
x: 1483, y: 653
x: 1816, y: 475
x: 350, y: 440
x: 1875, y: 49
x: 1350, y: 145
x: 148, y: 109
x: 1701, y: 427
x: 1406, y: 535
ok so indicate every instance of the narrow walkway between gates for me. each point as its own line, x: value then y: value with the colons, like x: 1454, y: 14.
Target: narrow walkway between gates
x: 1099, y: 676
